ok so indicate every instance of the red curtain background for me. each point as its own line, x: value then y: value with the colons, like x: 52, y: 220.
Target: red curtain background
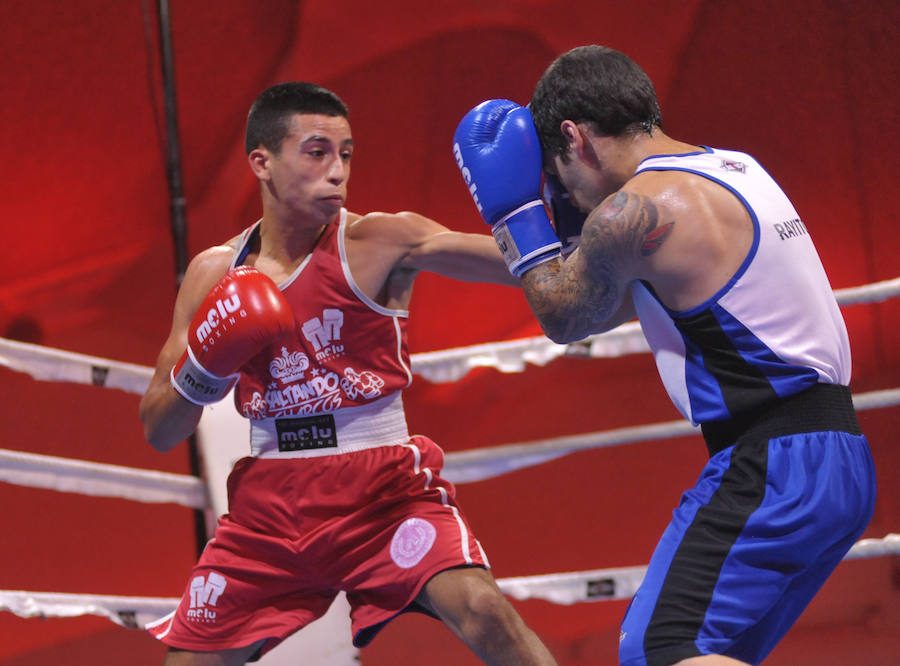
x: 809, y: 88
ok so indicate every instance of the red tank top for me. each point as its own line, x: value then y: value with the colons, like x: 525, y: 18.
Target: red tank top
x: 346, y: 351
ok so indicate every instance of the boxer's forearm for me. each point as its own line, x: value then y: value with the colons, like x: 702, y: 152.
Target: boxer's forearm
x: 167, y: 417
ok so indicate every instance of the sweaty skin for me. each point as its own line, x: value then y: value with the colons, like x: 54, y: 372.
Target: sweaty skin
x: 682, y: 234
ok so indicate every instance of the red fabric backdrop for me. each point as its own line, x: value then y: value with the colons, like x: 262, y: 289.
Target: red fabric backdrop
x: 809, y: 90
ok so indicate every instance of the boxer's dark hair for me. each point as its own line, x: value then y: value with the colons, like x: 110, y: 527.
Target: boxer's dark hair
x: 269, y: 119
x: 595, y: 85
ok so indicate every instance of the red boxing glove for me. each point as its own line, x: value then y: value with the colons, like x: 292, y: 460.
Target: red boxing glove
x: 240, y: 315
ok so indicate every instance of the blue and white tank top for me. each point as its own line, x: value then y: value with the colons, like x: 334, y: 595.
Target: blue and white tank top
x: 772, y: 330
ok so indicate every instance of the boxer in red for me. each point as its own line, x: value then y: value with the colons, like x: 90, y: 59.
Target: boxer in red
x: 306, y: 310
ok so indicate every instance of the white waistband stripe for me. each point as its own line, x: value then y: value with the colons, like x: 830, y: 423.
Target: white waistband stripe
x: 379, y: 423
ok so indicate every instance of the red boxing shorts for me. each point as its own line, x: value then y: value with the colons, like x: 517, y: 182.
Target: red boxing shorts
x: 376, y: 523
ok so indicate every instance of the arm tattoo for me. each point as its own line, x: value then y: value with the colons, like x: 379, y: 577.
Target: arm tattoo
x: 573, y: 299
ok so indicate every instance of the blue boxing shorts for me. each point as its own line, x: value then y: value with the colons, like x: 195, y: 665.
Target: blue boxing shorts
x: 749, y: 546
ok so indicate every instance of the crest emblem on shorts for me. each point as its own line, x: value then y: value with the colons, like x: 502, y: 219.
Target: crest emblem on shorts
x: 412, y: 540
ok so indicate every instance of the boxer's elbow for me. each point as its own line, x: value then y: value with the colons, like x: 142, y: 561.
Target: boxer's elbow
x: 158, y: 440
x: 561, y: 330
x: 155, y: 433
x: 559, y: 320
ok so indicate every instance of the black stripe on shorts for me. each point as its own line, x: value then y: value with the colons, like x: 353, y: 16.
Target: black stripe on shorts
x: 688, y: 587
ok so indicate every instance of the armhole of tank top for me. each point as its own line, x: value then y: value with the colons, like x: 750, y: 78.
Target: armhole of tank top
x: 751, y: 253
x: 406, y: 367
x: 345, y: 267
x: 706, y: 151
x: 243, y: 246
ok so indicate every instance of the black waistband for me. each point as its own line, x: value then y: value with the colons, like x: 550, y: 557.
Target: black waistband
x: 821, y: 407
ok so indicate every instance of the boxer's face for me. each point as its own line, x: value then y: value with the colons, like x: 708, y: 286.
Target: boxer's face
x: 590, y: 174
x: 583, y: 183
x: 309, y: 174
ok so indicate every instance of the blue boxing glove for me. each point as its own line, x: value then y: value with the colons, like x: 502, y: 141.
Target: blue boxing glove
x: 497, y: 149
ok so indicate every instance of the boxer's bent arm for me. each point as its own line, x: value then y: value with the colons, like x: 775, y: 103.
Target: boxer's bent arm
x: 167, y: 417
x: 586, y: 294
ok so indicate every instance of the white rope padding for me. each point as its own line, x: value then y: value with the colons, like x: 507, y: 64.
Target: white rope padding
x: 559, y: 588
x: 48, y: 364
x: 103, y: 480
x: 869, y: 293
x: 604, y: 584
x: 484, y: 463
x: 150, y: 486
x: 491, y: 461
x: 100, y: 479
x: 450, y: 365
x: 447, y: 365
x: 131, y: 612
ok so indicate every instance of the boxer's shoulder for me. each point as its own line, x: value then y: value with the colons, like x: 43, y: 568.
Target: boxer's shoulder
x: 400, y: 231
x: 208, y: 266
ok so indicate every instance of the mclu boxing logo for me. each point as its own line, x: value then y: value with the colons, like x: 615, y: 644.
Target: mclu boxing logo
x: 324, y: 334
x: 205, y: 592
x: 222, y: 314
x: 467, y: 175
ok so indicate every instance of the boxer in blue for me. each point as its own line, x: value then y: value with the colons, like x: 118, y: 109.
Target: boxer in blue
x: 711, y: 256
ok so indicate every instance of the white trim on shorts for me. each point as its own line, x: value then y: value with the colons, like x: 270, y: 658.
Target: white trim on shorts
x: 378, y: 423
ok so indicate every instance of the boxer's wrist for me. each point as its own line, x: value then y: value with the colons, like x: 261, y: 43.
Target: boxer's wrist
x: 526, y: 238
x: 196, y: 384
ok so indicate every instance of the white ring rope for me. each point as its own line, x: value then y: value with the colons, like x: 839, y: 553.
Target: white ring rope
x: 559, y: 588
x: 622, y: 583
x: 449, y: 365
x: 487, y: 462
x: 103, y: 480
x: 443, y: 366
x: 56, y: 365
x: 446, y: 365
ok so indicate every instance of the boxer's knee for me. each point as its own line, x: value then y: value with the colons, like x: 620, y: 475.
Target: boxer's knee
x: 470, y: 600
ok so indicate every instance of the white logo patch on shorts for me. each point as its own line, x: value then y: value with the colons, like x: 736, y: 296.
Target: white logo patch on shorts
x: 412, y: 540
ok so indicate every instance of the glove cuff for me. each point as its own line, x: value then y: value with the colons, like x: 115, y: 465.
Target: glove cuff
x: 197, y: 385
x: 525, y: 235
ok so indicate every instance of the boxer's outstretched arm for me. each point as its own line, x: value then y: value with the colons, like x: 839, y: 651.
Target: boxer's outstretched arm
x: 407, y: 242
x: 461, y: 256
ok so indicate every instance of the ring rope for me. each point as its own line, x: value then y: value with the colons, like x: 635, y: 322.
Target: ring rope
x: 151, y: 486
x: 104, y: 480
x: 560, y: 588
x: 490, y: 461
x: 442, y: 366
x: 101, y: 479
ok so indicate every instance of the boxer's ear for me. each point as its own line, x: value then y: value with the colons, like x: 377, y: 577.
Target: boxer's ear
x: 259, y: 162
x: 571, y: 132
